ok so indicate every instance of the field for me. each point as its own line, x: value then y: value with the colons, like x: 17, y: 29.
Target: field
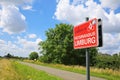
x: 108, y: 74
x: 12, y: 70
x: 7, y: 72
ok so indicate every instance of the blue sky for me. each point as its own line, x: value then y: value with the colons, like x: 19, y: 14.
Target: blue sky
x: 23, y: 23
x: 40, y: 18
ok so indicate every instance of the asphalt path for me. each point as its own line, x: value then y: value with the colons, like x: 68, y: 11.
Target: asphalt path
x: 65, y: 75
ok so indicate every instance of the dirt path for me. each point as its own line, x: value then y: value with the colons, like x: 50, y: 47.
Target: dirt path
x: 66, y: 75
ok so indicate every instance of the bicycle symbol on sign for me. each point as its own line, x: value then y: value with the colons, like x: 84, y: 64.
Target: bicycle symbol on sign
x: 91, y: 25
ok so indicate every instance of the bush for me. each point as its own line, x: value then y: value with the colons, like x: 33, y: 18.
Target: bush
x: 33, y: 55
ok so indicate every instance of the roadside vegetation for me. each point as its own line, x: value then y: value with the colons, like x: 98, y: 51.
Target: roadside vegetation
x: 33, y: 56
x: 108, y: 74
x: 12, y: 70
x: 58, y: 48
x: 57, y: 51
x: 7, y: 72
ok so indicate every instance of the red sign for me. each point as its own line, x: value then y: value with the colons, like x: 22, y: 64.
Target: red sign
x: 86, y: 34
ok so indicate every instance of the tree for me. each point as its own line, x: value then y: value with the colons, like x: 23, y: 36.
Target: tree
x: 8, y: 56
x: 108, y: 61
x: 33, y: 55
x: 58, y: 47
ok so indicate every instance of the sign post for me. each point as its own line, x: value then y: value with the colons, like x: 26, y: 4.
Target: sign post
x: 87, y: 61
x: 86, y: 35
x: 87, y: 65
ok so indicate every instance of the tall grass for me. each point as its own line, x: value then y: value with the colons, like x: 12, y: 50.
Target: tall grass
x: 108, y: 74
x: 30, y: 73
x: 7, y: 72
x: 12, y: 70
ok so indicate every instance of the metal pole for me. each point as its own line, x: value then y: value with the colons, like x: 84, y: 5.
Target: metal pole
x: 87, y: 65
x: 87, y: 62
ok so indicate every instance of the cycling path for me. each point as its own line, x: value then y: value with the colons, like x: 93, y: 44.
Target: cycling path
x: 66, y: 75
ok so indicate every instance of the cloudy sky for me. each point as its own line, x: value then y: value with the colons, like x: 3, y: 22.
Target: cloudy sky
x: 23, y: 22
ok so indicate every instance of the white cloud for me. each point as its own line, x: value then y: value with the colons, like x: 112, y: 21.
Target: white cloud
x: 111, y: 43
x: 38, y: 40
x: 75, y: 2
x: 11, y: 19
x: 15, y: 2
x: 32, y: 35
x: 29, y: 45
x: 2, y: 42
x: 12, y: 23
x: 28, y: 7
x: 112, y: 4
x: 111, y: 24
x: 9, y: 47
x: 76, y: 14
x: 21, y: 47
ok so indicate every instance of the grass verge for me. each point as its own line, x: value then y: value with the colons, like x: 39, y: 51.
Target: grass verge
x: 29, y: 73
x: 108, y: 74
x: 7, y: 72
x: 12, y: 70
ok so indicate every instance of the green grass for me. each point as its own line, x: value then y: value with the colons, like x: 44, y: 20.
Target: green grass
x: 29, y: 73
x: 7, y: 72
x: 108, y: 74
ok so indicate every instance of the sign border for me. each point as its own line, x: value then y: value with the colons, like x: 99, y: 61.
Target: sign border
x: 97, y: 35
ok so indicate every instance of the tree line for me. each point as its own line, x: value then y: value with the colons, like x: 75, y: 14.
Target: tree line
x: 108, y: 61
x: 9, y: 56
x: 58, y: 48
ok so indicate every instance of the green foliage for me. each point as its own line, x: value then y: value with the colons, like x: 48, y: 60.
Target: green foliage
x: 107, y: 74
x: 58, y: 47
x: 108, y: 61
x: 33, y: 55
x: 29, y: 73
x: 8, y: 56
